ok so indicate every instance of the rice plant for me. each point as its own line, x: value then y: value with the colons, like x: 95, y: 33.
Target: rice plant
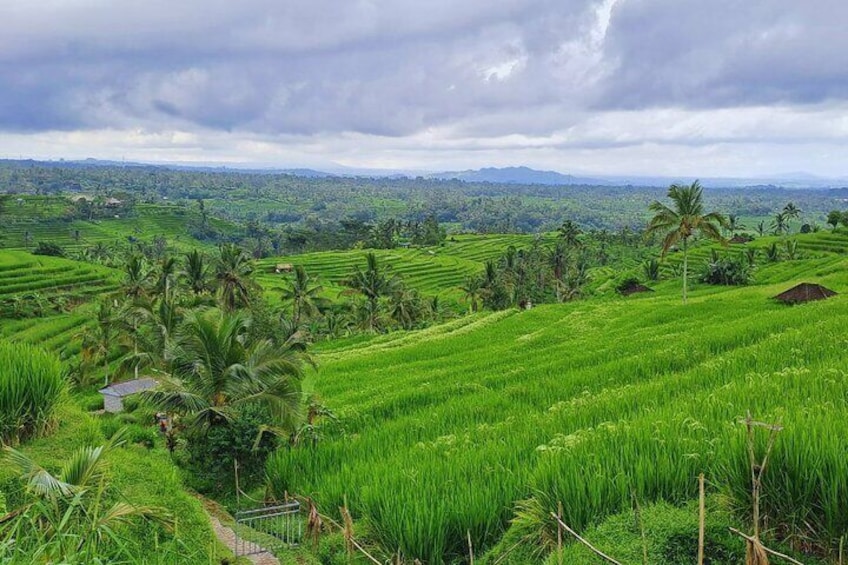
x: 31, y: 388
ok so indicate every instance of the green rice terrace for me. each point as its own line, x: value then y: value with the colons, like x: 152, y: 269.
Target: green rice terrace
x: 481, y: 433
x: 29, y: 220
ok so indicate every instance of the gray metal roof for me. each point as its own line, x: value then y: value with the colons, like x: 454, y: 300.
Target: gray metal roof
x: 129, y: 387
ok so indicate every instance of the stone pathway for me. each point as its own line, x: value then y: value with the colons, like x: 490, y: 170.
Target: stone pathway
x: 228, y: 537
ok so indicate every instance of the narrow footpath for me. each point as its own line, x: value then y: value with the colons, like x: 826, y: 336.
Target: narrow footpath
x: 227, y: 536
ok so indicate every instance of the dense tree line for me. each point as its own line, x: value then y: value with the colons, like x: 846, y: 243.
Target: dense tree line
x: 311, y: 212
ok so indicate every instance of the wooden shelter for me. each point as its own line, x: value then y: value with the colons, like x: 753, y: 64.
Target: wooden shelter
x: 283, y: 268
x: 804, y: 292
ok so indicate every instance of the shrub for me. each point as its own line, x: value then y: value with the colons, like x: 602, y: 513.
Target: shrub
x: 651, y: 267
x: 47, y: 248
x: 131, y: 403
x: 213, y: 450
x: 31, y: 388
x: 727, y: 271
x: 142, y: 435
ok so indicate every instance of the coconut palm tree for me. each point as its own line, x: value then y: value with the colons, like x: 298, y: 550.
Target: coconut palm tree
x: 780, y: 224
x: 233, y: 272
x: 136, y: 282
x: 158, y: 322
x: 472, y: 293
x: 166, y: 275
x: 372, y: 283
x: 196, y: 272
x: 303, y: 294
x: 791, y: 211
x: 569, y: 232
x: 217, y: 371
x: 405, y: 306
x: 734, y: 224
x: 99, y: 339
x: 683, y: 221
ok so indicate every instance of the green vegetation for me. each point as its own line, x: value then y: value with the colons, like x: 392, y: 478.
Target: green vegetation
x: 451, y: 390
x: 579, y: 404
x: 31, y: 388
x: 682, y: 222
x: 134, y: 475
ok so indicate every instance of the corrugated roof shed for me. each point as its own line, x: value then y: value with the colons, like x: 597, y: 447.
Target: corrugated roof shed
x: 129, y: 387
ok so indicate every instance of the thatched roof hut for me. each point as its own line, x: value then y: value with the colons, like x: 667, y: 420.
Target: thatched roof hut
x: 633, y: 288
x: 805, y: 292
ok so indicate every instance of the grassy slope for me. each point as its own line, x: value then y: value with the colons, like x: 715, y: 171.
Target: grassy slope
x: 448, y: 428
x: 432, y: 271
x: 24, y: 274
x: 42, y: 218
x: 143, y: 477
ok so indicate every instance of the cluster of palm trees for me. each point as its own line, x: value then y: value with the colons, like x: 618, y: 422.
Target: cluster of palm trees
x: 538, y: 274
x: 686, y: 218
x: 381, y: 301
x: 192, y: 324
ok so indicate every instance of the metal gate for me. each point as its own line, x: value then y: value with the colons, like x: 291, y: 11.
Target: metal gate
x: 277, y: 527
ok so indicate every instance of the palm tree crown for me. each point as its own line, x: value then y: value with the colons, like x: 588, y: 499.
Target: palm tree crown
x: 217, y: 370
x: 233, y: 272
x: 685, y: 219
x: 302, y: 293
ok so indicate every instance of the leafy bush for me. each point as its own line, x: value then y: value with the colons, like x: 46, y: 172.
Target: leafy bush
x: 31, y: 388
x: 624, y: 284
x: 142, y: 435
x: 727, y: 271
x: 651, y: 267
x: 131, y: 402
x: 50, y: 249
x: 214, y: 449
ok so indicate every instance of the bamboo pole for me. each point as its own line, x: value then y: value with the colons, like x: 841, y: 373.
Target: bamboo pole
x: 597, y: 551
x: 637, y: 514
x: 559, y: 533
x: 764, y: 548
x: 470, y: 548
x: 702, y: 514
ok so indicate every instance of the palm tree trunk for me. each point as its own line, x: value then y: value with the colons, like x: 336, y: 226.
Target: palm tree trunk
x: 685, y: 267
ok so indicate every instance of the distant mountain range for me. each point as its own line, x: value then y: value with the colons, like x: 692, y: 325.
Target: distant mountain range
x: 505, y: 175
x: 516, y: 175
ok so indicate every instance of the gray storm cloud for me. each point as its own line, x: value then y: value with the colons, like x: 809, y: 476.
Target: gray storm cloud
x: 448, y: 75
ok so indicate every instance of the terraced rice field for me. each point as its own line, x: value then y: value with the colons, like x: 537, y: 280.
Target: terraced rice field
x: 40, y: 219
x: 432, y: 271
x: 428, y: 271
x: 26, y: 275
x: 581, y: 404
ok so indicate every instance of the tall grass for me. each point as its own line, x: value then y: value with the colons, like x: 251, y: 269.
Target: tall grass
x: 584, y: 404
x: 31, y: 388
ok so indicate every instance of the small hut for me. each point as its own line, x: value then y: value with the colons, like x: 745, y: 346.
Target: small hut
x: 805, y: 292
x: 114, y: 203
x: 632, y: 287
x: 283, y: 268
x: 114, y: 394
x: 741, y: 239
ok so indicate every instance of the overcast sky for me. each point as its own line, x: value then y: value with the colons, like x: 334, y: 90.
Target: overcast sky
x: 652, y: 87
